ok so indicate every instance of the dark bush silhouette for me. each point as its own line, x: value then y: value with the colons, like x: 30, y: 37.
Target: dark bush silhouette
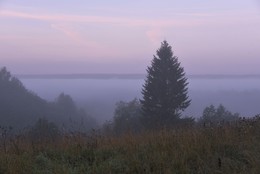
x: 44, y: 131
x: 127, y: 117
x: 217, y: 116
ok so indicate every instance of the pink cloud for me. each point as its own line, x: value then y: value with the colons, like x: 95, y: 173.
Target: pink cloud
x: 68, y: 31
x: 101, y: 19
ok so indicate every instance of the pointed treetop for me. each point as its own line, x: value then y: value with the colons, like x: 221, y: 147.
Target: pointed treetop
x: 164, y: 50
x: 165, y: 92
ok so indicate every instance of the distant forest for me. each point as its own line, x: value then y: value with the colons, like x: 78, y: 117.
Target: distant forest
x: 20, y: 107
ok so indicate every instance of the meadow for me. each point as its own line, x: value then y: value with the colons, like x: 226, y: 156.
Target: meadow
x: 226, y: 148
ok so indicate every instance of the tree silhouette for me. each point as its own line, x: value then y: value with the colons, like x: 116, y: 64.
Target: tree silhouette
x: 127, y: 117
x: 165, y: 92
x: 217, y: 115
x: 20, y: 107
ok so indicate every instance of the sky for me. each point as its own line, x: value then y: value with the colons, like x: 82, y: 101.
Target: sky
x: 117, y: 36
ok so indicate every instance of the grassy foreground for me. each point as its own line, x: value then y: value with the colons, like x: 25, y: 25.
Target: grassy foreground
x: 222, y: 149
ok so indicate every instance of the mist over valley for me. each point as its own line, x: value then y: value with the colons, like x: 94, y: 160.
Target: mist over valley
x: 98, y: 93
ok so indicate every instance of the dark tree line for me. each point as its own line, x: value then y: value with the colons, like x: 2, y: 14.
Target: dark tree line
x: 17, y: 104
x: 20, y: 107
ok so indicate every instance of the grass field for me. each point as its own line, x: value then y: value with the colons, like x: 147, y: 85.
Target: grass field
x: 230, y: 148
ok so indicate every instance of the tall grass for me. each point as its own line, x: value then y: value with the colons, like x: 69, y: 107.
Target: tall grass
x: 230, y: 148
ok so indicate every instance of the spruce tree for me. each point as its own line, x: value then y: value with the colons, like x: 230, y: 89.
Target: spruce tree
x: 165, y: 92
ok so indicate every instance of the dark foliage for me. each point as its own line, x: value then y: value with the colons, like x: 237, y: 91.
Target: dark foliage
x: 217, y: 116
x: 127, y: 117
x: 73, y: 118
x: 165, y: 92
x: 20, y: 107
x: 44, y: 131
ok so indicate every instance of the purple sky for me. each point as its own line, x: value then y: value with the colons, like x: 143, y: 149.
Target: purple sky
x: 81, y: 36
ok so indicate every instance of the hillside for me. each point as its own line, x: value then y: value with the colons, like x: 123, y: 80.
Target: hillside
x: 20, y: 107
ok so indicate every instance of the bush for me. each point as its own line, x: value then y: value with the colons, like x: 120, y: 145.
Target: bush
x: 127, y: 117
x: 217, y: 116
x: 44, y: 131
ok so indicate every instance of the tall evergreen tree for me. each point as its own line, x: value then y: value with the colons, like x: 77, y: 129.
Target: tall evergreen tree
x: 165, y: 92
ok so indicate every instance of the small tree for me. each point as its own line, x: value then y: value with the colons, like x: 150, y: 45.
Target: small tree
x: 44, y: 131
x: 165, y: 92
x: 127, y: 117
x: 66, y: 103
x: 217, y: 116
x: 71, y: 116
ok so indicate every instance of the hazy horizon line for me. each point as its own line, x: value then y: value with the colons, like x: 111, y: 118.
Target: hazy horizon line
x: 127, y: 76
